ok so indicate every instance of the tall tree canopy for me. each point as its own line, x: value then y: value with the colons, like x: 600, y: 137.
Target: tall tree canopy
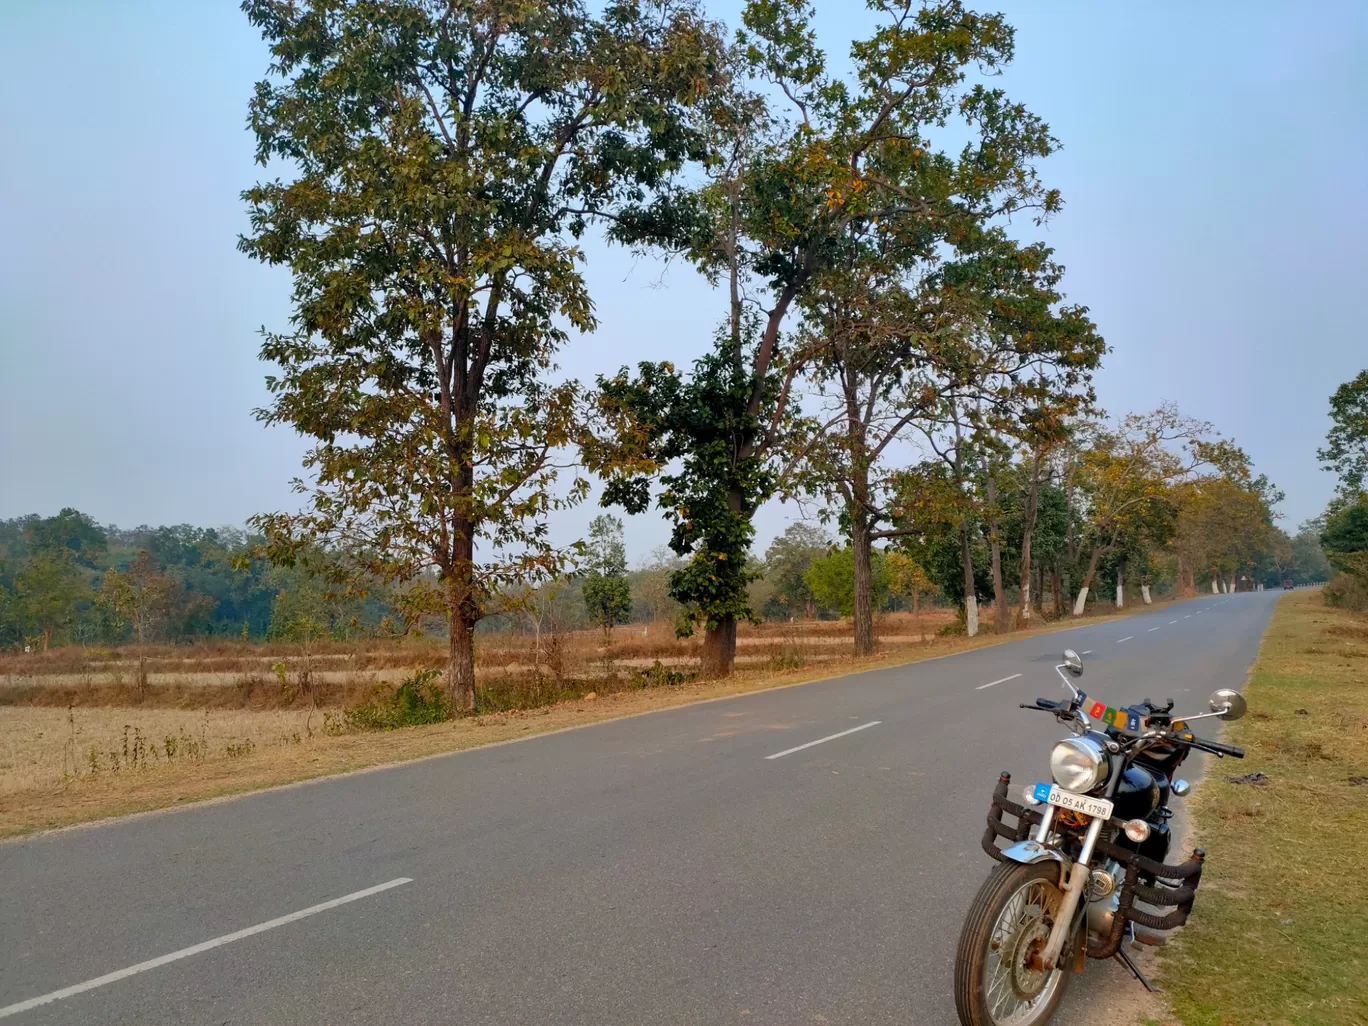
x: 794, y: 185
x: 441, y: 160
x: 1346, y: 443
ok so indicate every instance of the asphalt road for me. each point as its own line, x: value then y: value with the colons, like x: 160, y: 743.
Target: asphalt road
x: 655, y: 870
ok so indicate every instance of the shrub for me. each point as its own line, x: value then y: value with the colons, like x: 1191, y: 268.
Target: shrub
x: 657, y: 675
x: 417, y: 700
x: 1347, y: 591
x: 789, y: 657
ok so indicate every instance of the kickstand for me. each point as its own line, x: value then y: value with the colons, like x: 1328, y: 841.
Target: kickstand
x: 1125, y: 960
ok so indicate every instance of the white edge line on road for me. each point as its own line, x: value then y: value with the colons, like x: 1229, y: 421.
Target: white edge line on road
x: 1003, y: 681
x: 823, y: 740
x: 195, y: 949
x: 1128, y: 637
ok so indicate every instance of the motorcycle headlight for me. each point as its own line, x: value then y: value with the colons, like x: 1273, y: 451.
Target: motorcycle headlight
x: 1078, y: 764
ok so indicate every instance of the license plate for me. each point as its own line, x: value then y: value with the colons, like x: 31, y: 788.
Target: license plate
x: 1053, y: 794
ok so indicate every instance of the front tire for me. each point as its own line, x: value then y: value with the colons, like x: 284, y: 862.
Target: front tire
x: 1008, y: 922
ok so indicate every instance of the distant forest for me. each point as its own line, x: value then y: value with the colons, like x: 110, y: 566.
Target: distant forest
x: 66, y: 580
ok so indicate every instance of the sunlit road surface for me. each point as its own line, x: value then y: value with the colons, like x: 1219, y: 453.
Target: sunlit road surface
x: 802, y: 855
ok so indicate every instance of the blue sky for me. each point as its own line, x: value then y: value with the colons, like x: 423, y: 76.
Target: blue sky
x: 1214, y: 170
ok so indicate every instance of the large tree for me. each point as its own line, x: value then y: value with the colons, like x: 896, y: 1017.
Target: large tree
x: 441, y: 161
x: 792, y: 186
x: 1346, y: 443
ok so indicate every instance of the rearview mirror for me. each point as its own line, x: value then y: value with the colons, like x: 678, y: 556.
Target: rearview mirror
x: 1073, y: 662
x: 1228, y: 705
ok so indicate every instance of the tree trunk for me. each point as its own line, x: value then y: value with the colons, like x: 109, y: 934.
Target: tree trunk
x: 461, y: 662
x: 1215, y: 589
x: 1082, y: 599
x: 1120, y: 584
x: 1145, y: 594
x: 719, y: 649
x: 1039, y: 593
x: 863, y: 559
x: 970, y: 599
x: 1027, y: 529
x: 1002, y: 616
x: 1057, y: 587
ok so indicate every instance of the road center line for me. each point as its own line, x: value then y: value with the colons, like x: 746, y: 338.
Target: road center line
x: 1173, y: 621
x: 1151, y: 630
x: 1087, y: 651
x: 1128, y: 637
x: 824, y: 740
x: 1003, y: 681
x: 195, y: 949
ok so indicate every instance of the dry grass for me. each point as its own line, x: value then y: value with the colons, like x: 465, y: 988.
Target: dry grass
x: 1279, y: 936
x: 227, y: 674
x: 48, y: 778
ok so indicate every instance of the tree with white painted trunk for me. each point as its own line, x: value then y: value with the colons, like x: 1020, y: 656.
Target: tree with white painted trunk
x: 1124, y: 475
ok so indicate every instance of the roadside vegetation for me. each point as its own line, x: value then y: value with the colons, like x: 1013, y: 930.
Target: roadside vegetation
x: 1278, y: 934
x: 76, y: 745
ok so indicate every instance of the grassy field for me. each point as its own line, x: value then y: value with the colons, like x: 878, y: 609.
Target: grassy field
x: 81, y: 738
x: 1279, y: 934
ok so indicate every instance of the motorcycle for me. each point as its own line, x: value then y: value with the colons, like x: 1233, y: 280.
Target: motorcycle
x: 1082, y: 853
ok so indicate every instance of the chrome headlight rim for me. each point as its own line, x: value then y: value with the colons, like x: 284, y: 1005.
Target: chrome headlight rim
x: 1079, y: 764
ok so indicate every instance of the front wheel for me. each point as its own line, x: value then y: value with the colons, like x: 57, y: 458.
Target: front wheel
x: 1007, y: 926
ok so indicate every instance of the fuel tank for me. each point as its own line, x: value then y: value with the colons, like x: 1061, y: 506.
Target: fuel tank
x: 1137, y: 795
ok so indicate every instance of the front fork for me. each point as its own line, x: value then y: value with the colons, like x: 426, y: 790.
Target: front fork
x: 1073, y: 884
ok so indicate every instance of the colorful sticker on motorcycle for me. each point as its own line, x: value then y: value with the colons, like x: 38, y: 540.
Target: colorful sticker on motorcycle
x: 1112, y: 717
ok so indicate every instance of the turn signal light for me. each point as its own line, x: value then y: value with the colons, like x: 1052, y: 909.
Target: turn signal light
x: 1136, y: 829
x: 1028, y: 795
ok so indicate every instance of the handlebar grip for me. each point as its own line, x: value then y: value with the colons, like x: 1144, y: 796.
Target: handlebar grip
x: 1216, y: 748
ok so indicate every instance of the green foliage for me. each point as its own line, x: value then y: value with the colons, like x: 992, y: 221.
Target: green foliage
x: 1347, y: 591
x: 416, y: 701
x: 1346, y: 443
x: 443, y: 161
x: 605, y: 588
x: 786, y: 561
x: 1346, y: 532
x: 1307, y: 561
x: 832, y: 580
x: 704, y: 424
x: 1344, y: 538
x: 607, y: 599
x: 659, y: 675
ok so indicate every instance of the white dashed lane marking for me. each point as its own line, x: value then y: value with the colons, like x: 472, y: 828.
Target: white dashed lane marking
x: 1004, y: 680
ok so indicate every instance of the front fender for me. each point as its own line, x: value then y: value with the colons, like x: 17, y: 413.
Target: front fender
x: 1029, y: 852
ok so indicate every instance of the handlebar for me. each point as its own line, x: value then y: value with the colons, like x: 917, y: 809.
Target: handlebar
x: 1214, y: 747
x: 1066, y: 709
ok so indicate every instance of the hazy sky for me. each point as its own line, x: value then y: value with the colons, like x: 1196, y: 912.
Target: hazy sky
x: 1214, y: 171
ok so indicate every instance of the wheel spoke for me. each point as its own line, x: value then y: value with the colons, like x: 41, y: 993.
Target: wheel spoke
x: 1029, y: 907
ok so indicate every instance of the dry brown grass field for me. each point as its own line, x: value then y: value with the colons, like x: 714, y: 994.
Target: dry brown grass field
x: 82, y: 736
